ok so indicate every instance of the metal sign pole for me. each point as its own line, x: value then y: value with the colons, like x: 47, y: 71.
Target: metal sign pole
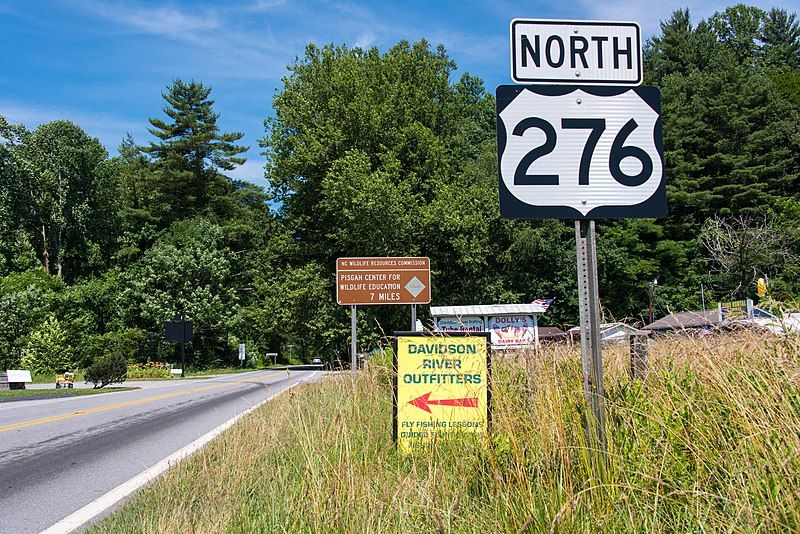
x: 413, y: 318
x: 183, y: 345
x: 353, y: 362
x: 591, y: 351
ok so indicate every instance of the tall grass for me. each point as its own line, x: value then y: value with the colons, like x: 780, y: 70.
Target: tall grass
x: 709, y: 442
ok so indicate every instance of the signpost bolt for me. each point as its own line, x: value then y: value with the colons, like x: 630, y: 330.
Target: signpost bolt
x: 578, y: 73
x: 575, y: 30
x: 583, y: 202
x: 578, y: 101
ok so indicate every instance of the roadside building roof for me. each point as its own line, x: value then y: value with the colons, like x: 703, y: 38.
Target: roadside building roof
x: 488, y: 309
x: 551, y: 332
x: 603, y: 327
x: 687, y: 319
x: 611, y: 332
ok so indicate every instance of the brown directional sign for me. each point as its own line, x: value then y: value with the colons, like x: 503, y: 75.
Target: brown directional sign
x: 364, y: 281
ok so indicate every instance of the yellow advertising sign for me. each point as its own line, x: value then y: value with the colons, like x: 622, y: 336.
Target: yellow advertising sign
x: 442, y: 387
x: 733, y: 310
x: 761, y: 287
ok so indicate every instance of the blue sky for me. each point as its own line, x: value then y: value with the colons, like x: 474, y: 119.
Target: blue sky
x: 103, y: 63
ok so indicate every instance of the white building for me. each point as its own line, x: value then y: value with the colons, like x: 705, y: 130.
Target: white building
x: 510, y: 325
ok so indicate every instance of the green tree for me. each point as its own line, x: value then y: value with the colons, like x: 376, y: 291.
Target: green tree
x: 188, y: 269
x: 681, y: 48
x: 64, y: 193
x: 730, y: 134
x: 190, y: 152
x: 26, y: 299
x: 89, y: 309
x: 368, y: 154
x: 738, y: 28
x: 303, y: 314
x: 47, y: 350
x: 140, y: 201
x: 399, y: 109
x: 12, y: 240
x: 107, y: 369
x: 781, y: 38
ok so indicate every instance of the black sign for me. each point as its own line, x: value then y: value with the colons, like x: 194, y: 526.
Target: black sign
x: 178, y: 331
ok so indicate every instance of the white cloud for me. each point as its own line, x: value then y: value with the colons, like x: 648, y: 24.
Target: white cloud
x: 251, y: 171
x: 218, y: 41
x: 156, y: 20
x: 266, y: 5
x: 365, y: 40
x: 478, y: 47
x: 650, y: 14
x: 108, y: 128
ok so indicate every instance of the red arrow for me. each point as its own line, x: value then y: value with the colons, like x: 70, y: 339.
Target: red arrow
x: 422, y: 402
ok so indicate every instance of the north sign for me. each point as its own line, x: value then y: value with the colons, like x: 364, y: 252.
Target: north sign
x: 576, y: 52
x: 442, y: 387
x: 573, y: 152
x: 365, y: 281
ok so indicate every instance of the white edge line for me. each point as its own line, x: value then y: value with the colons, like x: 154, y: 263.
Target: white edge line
x: 82, y: 516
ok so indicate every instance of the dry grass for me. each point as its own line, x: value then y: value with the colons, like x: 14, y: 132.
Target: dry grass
x: 710, y: 442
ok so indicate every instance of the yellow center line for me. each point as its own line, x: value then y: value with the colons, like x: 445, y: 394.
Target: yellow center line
x: 126, y: 404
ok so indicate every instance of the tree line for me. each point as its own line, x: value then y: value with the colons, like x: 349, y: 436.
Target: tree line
x: 384, y: 153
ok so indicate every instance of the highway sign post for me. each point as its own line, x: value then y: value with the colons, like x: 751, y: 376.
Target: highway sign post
x: 241, y: 354
x: 442, y: 387
x: 179, y: 330
x: 572, y: 151
x: 367, y: 281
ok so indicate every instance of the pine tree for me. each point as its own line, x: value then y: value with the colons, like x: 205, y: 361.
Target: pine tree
x: 781, y: 37
x: 191, y: 150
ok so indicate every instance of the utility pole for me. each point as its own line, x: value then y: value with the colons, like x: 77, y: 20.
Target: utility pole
x: 183, y: 345
x: 650, y: 290
x: 703, y: 297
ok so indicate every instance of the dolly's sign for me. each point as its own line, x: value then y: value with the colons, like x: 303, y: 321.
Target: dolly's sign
x: 441, y: 387
x: 510, y: 331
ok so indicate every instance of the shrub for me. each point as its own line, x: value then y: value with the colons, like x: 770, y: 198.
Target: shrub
x: 128, y: 343
x: 47, y: 350
x: 149, y: 370
x: 107, y: 369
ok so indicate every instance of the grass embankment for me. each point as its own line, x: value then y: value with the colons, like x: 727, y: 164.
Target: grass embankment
x: 711, y: 442
x: 221, y: 371
x: 157, y: 371
x: 54, y: 393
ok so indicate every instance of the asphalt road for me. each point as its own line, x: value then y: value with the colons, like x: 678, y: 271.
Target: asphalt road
x: 58, y: 455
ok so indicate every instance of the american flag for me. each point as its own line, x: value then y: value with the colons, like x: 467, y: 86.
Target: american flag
x: 544, y: 303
